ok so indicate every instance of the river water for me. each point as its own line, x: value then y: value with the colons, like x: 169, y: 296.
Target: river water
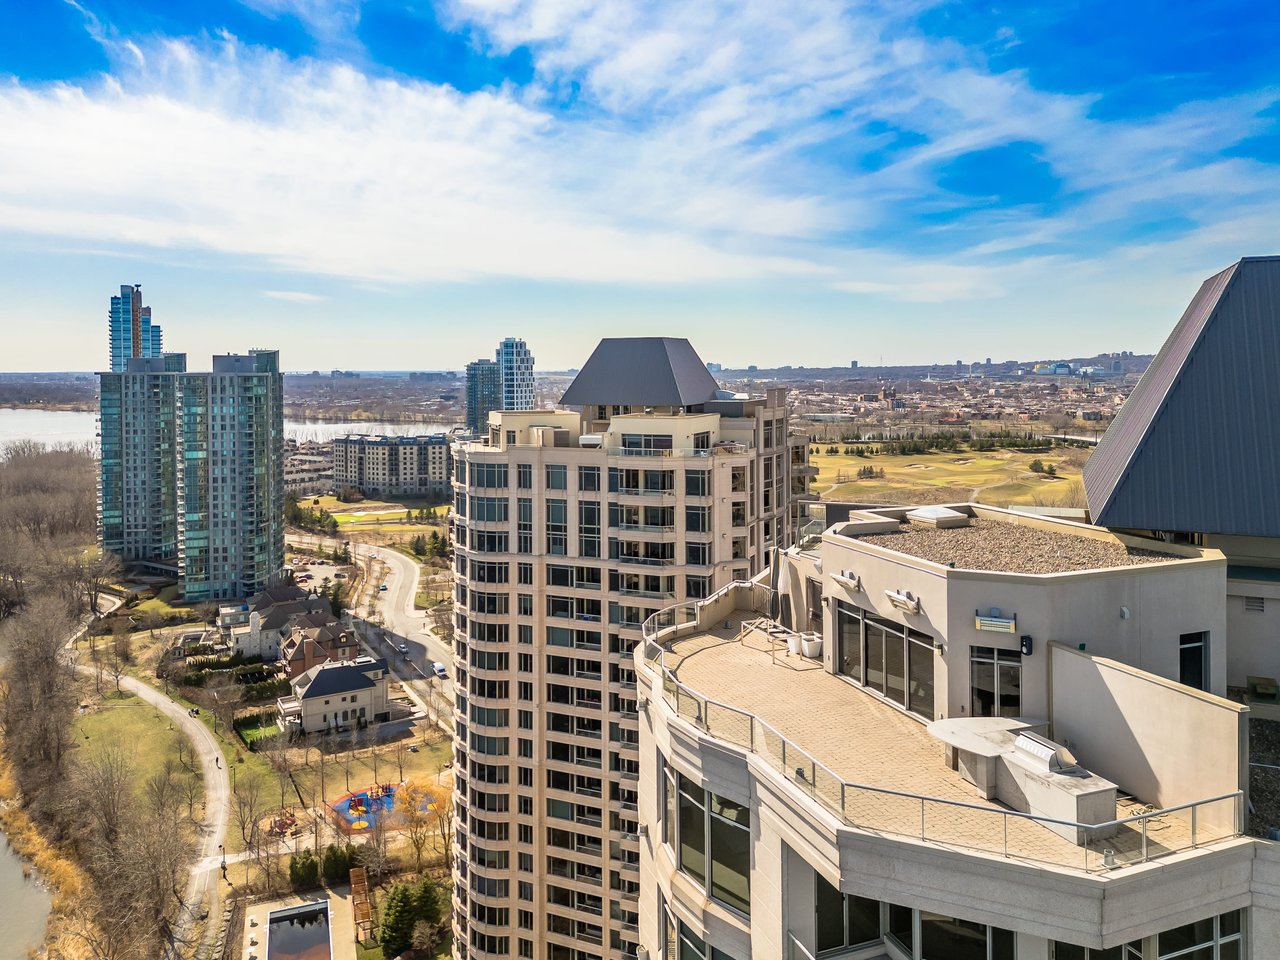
x: 24, y: 906
x: 71, y: 426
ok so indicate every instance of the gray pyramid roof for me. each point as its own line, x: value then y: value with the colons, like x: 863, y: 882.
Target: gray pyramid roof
x: 1196, y: 447
x: 642, y: 372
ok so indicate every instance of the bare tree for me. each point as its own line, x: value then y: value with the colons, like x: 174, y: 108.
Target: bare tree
x: 95, y: 572
x: 189, y: 788
x: 161, y: 790
x: 104, y: 780
x: 444, y: 817
x: 247, y: 805
x: 402, y: 748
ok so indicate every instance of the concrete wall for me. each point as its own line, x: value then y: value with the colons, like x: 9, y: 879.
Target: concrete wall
x: 1162, y: 742
x: 1253, y: 638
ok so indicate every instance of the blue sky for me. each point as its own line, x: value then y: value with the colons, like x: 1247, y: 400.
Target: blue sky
x: 399, y: 183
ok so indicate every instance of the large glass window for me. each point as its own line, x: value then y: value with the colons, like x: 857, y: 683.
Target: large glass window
x: 995, y: 682
x: 849, y: 641
x: 902, y: 927
x: 697, y: 483
x: 711, y: 828
x: 731, y: 853
x: 888, y: 657
x: 557, y: 476
x: 843, y: 920
x: 693, y: 838
x: 1215, y: 938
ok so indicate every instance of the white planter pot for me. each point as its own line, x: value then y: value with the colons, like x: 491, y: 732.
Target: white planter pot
x: 812, y: 647
x: 793, y: 644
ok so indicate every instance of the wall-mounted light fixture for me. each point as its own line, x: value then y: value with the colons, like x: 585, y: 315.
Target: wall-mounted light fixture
x: 1026, y: 644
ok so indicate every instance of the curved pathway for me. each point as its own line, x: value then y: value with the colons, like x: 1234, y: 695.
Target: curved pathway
x: 217, y: 804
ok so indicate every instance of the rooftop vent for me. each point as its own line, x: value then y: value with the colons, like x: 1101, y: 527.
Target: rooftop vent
x: 943, y: 518
x: 592, y: 440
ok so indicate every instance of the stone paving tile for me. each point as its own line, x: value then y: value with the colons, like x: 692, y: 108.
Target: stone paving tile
x: 862, y: 740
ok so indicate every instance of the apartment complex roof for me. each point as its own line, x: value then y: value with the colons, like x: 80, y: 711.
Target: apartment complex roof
x: 642, y: 371
x: 1000, y: 545
x: 1196, y: 447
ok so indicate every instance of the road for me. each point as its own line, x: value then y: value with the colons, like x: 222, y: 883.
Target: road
x: 400, y: 618
x: 216, y: 806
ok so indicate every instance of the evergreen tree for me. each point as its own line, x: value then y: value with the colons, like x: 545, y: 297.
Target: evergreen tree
x: 396, y: 934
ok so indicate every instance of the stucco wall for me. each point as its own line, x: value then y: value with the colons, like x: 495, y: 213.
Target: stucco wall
x: 1162, y: 742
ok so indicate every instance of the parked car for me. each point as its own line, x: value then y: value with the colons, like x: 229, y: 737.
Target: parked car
x: 404, y: 648
x: 383, y: 588
x: 439, y: 670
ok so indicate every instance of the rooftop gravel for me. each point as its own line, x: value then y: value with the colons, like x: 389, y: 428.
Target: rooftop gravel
x: 1011, y: 548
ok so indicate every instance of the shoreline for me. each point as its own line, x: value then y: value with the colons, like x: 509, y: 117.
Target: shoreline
x: 42, y: 862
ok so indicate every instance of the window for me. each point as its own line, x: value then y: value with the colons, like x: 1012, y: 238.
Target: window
x: 710, y: 828
x: 995, y: 682
x: 524, y: 573
x: 1193, y: 659
x: 697, y: 554
x: 843, y: 920
x: 489, y: 475
x: 524, y: 476
x: 645, y: 441
x: 730, y: 837
x: 697, y: 483
x: 697, y: 588
x: 702, y: 440
x: 557, y: 477
x: 1217, y: 938
x: 946, y: 938
x: 588, y: 528
x: 588, y: 478
x: 524, y: 525
x: 557, y: 527
x: 887, y: 657
x: 1069, y: 951
x: 697, y: 519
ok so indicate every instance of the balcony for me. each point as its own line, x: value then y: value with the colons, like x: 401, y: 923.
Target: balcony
x: 735, y: 683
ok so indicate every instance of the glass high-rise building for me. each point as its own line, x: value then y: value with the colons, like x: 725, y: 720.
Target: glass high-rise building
x: 516, y: 364
x: 192, y: 471
x: 131, y: 332
x: 484, y: 393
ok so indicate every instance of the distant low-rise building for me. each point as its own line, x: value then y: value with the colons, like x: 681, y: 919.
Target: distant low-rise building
x: 393, y: 466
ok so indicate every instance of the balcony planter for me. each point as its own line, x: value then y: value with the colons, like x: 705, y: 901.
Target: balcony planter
x: 793, y: 644
x: 812, y: 647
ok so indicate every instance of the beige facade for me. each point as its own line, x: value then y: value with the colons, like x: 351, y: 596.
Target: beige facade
x: 791, y: 811
x: 393, y: 466
x: 337, y: 696
x: 571, y: 528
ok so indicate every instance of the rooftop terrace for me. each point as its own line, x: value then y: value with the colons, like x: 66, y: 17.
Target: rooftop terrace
x: 1005, y: 544
x: 872, y: 765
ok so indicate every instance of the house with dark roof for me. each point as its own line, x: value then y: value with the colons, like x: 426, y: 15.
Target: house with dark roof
x: 314, y: 638
x: 260, y: 625
x: 336, y: 696
x: 1194, y: 454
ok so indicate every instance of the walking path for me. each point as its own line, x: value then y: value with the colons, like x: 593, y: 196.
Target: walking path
x: 217, y: 804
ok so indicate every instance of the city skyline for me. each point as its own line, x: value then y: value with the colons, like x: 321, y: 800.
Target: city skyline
x: 867, y: 180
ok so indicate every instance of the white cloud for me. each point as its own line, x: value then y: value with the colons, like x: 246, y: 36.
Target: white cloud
x: 294, y: 296
x: 713, y: 141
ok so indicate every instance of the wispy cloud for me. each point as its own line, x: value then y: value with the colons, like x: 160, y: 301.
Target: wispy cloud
x: 662, y: 143
x: 294, y: 296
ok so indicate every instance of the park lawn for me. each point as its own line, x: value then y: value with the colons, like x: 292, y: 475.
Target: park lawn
x: 128, y: 720
x: 162, y: 603
x: 336, y: 506
x: 424, y: 765
x: 998, y: 477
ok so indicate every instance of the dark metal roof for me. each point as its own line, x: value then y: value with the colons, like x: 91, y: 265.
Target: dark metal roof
x: 642, y: 372
x: 1196, y: 447
x: 326, y: 679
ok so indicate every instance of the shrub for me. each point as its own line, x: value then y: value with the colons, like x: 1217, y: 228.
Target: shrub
x: 304, y: 870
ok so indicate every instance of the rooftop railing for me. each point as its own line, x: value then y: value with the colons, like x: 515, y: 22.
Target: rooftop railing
x: 719, y: 448
x: 1146, y: 836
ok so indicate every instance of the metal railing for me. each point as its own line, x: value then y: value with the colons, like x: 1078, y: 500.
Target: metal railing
x: 1089, y: 847
x: 722, y: 447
